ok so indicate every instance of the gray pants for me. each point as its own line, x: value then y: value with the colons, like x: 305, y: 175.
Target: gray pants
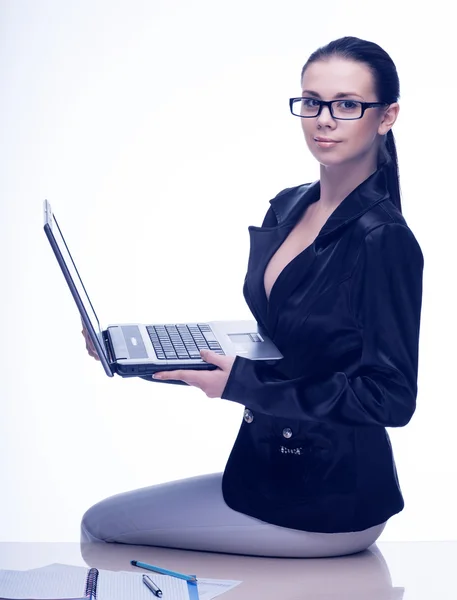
x: 191, y: 514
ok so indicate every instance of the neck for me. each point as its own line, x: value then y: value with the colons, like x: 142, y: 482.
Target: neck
x: 337, y: 182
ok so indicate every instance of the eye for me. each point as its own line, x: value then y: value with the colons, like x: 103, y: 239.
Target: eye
x: 348, y: 104
x: 308, y: 102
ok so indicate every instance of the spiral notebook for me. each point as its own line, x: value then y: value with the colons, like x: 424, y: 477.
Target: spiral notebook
x: 66, y: 582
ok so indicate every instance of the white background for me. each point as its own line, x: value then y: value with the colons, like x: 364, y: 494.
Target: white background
x: 159, y: 131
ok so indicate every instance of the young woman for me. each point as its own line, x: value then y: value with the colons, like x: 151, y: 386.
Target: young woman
x: 335, y: 278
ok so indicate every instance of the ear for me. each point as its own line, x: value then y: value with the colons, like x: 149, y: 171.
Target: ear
x: 388, y: 119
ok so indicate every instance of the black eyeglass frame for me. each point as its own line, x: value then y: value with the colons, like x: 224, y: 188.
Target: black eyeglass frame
x: 329, y: 103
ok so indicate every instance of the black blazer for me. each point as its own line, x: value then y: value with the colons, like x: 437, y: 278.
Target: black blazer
x: 312, y: 452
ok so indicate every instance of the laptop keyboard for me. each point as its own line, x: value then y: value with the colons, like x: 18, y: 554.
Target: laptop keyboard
x: 182, y: 341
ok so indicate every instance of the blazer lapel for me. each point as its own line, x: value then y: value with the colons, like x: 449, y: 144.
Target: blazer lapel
x: 264, y: 241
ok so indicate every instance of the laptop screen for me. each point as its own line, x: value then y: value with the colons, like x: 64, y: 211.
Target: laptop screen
x: 72, y: 276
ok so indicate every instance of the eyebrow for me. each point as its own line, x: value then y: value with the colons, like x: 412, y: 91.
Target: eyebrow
x: 339, y: 95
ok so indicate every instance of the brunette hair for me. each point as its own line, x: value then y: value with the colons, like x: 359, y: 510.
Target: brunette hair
x: 387, y: 89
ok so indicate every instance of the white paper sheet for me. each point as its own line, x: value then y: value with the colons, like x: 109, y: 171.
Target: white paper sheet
x: 66, y: 581
x: 207, y: 588
x: 210, y: 588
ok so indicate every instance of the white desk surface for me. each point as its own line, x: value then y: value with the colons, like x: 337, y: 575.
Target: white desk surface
x: 387, y: 571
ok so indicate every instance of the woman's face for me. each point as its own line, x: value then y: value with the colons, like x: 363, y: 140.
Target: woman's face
x: 357, y: 139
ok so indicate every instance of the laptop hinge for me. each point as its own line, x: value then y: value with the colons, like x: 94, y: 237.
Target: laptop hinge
x: 117, y: 343
x: 108, y: 346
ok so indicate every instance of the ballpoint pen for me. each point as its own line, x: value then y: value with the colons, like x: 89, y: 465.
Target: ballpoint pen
x: 152, y: 586
x: 137, y: 563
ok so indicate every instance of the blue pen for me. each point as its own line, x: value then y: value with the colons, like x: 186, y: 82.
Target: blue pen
x: 137, y: 563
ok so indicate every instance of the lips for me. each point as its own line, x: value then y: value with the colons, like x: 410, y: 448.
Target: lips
x: 319, y: 139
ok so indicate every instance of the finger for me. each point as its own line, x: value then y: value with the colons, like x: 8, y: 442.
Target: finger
x: 87, y: 338
x: 92, y: 353
x: 89, y: 345
x: 178, y: 374
x: 89, y: 342
x: 91, y: 350
x: 213, y: 358
x: 181, y: 375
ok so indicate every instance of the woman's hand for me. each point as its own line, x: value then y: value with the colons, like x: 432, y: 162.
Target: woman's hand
x: 89, y: 345
x: 210, y: 382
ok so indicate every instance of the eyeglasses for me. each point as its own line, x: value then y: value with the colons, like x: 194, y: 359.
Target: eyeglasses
x: 346, y: 110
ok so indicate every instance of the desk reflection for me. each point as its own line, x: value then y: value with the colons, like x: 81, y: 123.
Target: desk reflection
x: 359, y: 576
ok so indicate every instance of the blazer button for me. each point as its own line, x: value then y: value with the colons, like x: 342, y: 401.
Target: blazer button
x: 287, y: 432
x: 248, y: 416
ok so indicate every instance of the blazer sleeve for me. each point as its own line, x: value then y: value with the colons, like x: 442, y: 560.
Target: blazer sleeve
x: 386, y: 299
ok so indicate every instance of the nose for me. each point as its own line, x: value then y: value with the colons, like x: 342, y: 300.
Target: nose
x: 325, y: 116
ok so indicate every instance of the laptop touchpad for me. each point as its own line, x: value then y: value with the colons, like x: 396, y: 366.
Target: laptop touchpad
x: 134, y: 341
x: 127, y: 342
x: 244, y: 338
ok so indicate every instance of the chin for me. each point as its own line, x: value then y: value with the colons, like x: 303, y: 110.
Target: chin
x: 329, y: 161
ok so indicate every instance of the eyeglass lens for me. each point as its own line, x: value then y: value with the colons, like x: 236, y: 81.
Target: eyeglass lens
x: 342, y: 109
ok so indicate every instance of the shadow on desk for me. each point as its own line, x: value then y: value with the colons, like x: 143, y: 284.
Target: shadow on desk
x: 358, y: 576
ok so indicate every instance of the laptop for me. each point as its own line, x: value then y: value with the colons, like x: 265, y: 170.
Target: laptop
x: 140, y: 350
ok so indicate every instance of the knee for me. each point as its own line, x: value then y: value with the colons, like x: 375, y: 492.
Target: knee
x: 91, y: 526
x: 368, y: 539
x: 108, y: 519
